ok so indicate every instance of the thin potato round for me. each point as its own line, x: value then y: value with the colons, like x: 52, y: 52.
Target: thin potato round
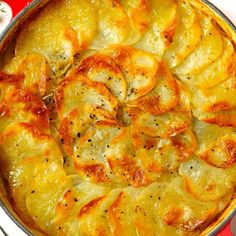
x: 61, y: 51
x: 163, y: 97
x: 102, y: 68
x: 209, y: 50
x: 23, y: 106
x: 77, y: 89
x: 187, y: 35
x: 139, y: 69
x: 35, y: 69
x: 161, y: 28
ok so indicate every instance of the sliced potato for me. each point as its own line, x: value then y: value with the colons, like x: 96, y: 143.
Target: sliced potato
x: 205, y: 182
x: 102, y: 68
x: 187, y: 36
x: 79, y: 15
x: 166, y: 124
x: 77, y: 122
x: 20, y: 178
x: 163, y: 97
x: 120, y: 213
x: 45, y: 192
x: 35, y: 69
x: 120, y: 153
x: 113, y: 24
x: 139, y: 69
x: 90, y: 160
x: 179, y: 209
x: 76, y: 89
x: 216, y: 145
x: 209, y: 50
x: 9, y: 83
x: 21, y: 140
x: 146, y: 220
x: 22, y: 106
x: 93, y: 219
x: 217, y: 72
x: 161, y: 29
x: 42, y: 31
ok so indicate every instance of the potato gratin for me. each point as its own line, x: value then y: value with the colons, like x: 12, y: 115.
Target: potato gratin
x: 118, y: 117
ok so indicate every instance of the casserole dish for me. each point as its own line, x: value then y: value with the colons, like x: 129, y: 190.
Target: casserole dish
x: 204, y: 6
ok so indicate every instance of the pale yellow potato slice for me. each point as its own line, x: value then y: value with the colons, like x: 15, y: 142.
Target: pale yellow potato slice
x: 167, y: 124
x: 45, y: 192
x: 21, y: 140
x: 163, y: 97
x: 146, y: 220
x: 161, y: 28
x: 79, y: 15
x: 180, y: 209
x: 76, y: 89
x: 9, y: 83
x: 19, y: 179
x: 209, y: 50
x: 187, y: 35
x: 85, y: 196
x: 23, y: 106
x: 166, y: 154
x: 217, y: 72
x: 205, y: 182
x: 42, y: 31
x: 139, y: 14
x: 35, y: 69
x: 93, y: 219
x: 121, y: 156
x: 120, y: 213
x: 90, y: 160
x: 77, y: 122
x: 216, y: 145
x: 102, y: 68
x: 112, y: 22
x: 139, y: 69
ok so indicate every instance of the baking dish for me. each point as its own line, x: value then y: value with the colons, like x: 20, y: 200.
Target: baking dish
x: 5, y: 38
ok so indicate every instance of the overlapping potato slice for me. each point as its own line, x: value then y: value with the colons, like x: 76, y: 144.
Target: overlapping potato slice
x: 9, y: 83
x: 167, y: 124
x: 146, y: 220
x: 205, y: 182
x: 102, y: 68
x: 120, y: 213
x: 163, y: 97
x: 161, y: 28
x: 44, y: 193
x: 77, y: 122
x: 216, y: 145
x: 22, y: 106
x: 19, y: 179
x: 113, y: 24
x: 120, y: 154
x: 139, y: 69
x: 93, y: 219
x: 35, y: 69
x: 86, y: 197
x: 217, y: 72
x: 79, y: 15
x: 179, y: 209
x: 75, y: 90
x: 39, y: 33
x: 22, y: 140
x: 90, y: 159
x: 209, y: 50
x: 187, y: 36
x: 165, y: 154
